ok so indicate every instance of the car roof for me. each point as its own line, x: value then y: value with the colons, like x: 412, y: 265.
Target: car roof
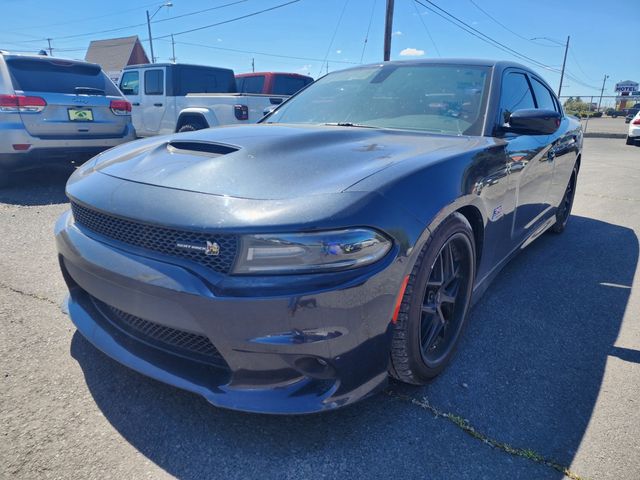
x: 155, y: 65
x: 45, y: 58
x: 290, y: 74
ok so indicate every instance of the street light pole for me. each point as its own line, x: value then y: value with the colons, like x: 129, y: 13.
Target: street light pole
x: 149, y: 18
x: 564, y: 62
x: 602, y: 91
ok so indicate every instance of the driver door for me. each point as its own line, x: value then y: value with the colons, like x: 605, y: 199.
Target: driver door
x: 529, y: 160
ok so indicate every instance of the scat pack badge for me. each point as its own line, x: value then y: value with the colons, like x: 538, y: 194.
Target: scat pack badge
x: 210, y: 248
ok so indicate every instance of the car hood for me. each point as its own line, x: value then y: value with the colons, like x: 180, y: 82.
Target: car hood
x: 273, y: 161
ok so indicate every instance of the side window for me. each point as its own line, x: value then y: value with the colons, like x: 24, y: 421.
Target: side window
x: 129, y: 83
x: 153, y: 82
x: 544, y: 97
x: 516, y: 95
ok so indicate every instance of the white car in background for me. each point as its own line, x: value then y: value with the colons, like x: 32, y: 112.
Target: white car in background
x: 633, y: 137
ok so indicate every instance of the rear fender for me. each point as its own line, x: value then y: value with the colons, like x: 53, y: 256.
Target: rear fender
x: 206, y: 115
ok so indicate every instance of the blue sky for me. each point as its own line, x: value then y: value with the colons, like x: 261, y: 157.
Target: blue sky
x: 302, y: 32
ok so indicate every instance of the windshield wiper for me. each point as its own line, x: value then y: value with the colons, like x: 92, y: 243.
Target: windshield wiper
x: 349, y: 124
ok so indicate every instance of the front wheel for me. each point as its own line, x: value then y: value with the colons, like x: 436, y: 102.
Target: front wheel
x: 434, y: 308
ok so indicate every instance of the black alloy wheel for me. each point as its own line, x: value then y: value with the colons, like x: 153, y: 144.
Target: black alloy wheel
x: 434, y: 309
x: 445, y: 298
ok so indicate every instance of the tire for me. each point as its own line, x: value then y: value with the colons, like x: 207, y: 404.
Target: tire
x: 425, y: 304
x: 5, y: 178
x: 191, y: 126
x: 564, y: 209
x: 630, y: 140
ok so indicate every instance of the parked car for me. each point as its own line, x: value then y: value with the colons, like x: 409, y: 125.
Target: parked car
x: 168, y: 98
x: 268, y: 83
x: 290, y: 266
x: 633, y: 137
x: 630, y: 114
x: 54, y: 110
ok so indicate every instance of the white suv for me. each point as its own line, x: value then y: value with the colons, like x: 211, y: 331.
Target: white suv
x: 53, y: 109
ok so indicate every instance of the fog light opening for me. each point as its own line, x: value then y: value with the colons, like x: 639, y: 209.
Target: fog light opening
x: 21, y: 146
x: 315, y: 367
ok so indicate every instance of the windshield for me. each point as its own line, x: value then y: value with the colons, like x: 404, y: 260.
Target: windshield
x: 446, y: 99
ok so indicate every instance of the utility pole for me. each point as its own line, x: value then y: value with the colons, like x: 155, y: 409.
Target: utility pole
x: 253, y: 65
x: 564, y: 62
x: 50, y: 48
x: 388, y: 30
x: 149, y: 17
x: 153, y: 59
x: 173, y: 49
x: 602, y: 91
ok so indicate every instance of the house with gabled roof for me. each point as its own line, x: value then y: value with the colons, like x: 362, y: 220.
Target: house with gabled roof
x: 113, y: 54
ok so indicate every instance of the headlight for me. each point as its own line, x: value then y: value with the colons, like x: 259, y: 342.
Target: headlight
x: 310, y: 252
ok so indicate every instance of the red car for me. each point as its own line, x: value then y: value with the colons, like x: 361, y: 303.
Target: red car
x: 271, y: 83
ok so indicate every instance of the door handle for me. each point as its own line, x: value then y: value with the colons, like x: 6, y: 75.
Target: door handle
x: 157, y: 104
x: 135, y: 104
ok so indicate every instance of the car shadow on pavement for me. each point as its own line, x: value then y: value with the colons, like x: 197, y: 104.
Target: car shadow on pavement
x: 36, y: 187
x: 527, y: 373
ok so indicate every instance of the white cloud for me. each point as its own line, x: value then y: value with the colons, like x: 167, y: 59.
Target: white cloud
x: 397, y: 33
x: 411, y: 52
x: 219, y: 39
x: 338, y: 52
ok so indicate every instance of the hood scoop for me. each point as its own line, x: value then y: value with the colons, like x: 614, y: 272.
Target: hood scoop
x: 199, y: 148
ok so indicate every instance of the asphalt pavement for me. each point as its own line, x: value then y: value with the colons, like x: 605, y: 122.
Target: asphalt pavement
x: 546, y: 383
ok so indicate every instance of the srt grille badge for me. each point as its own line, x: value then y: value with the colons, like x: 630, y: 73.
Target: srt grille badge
x: 210, y: 248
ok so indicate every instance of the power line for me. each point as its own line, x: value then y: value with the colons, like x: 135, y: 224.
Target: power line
x: 426, y: 29
x: 481, y: 36
x: 507, y: 28
x: 491, y: 41
x: 281, y: 5
x: 253, y: 52
x: 138, y: 25
x: 344, y: 7
x: 366, y: 37
x: 141, y: 7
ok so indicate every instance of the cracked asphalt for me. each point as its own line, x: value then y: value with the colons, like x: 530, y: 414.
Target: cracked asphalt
x: 550, y: 364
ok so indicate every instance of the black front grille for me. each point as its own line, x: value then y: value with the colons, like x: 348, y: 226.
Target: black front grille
x: 184, y: 244
x: 187, y: 344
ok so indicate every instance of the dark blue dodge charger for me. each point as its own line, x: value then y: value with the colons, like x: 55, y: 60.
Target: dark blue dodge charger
x: 293, y: 265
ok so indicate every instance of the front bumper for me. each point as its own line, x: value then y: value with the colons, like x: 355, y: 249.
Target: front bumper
x: 302, y: 353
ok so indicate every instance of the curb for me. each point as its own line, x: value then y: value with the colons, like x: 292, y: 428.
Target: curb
x: 604, y: 135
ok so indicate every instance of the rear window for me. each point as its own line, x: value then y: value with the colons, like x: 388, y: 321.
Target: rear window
x: 203, y: 80
x: 285, y: 85
x: 253, y: 84
x: 58, y: 76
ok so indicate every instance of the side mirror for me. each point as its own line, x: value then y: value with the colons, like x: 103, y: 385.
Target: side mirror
x: 533, y: 122
x: 269, y: 109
